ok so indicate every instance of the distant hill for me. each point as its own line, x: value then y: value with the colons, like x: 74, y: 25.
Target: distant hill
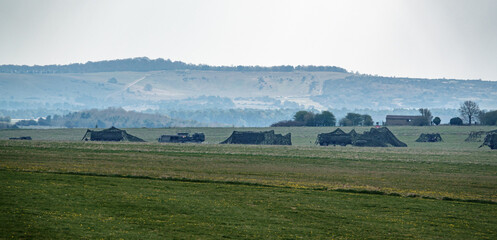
x: 184, y: 90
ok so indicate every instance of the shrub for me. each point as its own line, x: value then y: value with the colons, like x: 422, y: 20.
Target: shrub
x: 489, y: 118
x: 455, y: 121
x: 306, y: 118
x: 356, y: 119
x: 437, y: 120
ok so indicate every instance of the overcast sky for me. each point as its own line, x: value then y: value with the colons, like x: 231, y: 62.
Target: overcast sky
x: 416, y: 38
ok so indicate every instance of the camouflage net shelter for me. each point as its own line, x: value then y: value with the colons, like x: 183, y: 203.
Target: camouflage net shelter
x: 258, y: 138
x: 475, y: 136
x: 429, y: 137
x: 110, y: 134
x: 375, y: 137
x: 337, y: 137
x: 490, y: 140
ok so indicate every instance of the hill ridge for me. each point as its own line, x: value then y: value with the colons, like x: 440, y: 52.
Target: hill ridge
x: 144, y: 64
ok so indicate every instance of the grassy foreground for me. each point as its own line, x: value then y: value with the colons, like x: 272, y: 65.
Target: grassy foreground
x: 455, y: 174
x: 72, y: 189
x: 44, y: 205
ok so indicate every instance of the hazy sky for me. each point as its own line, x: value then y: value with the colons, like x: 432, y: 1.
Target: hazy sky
x: 416, y: 38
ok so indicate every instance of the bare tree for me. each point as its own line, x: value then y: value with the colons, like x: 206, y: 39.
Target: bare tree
x: 426, y: 113
x: 468, y: 110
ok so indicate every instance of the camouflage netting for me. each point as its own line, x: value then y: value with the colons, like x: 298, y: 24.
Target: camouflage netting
x: 337, y: 137
x: 111, y: 134
x: 429, y: 137
x: 376, y: 137
x: 260, y: 138
x: 475, y: 136
x: 491, y: 140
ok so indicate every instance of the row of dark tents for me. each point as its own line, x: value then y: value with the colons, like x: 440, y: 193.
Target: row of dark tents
x: 376, y: 137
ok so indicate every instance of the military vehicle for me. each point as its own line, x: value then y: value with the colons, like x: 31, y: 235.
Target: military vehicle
x: 21, y: 138
x: 182, y: 138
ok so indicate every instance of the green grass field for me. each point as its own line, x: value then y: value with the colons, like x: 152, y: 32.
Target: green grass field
x: 59, y: 187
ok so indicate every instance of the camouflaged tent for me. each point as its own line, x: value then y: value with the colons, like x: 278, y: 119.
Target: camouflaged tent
x: 475, y: 136
x: 258, y: 138
x: 490, y: 140
x: 110, y: 134
x: 337, y: 137
x: 429, y: 137
x: 478, y: 135
x: 376, y: 137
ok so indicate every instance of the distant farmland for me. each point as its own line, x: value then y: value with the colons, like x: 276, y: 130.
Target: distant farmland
x: 59, y: 187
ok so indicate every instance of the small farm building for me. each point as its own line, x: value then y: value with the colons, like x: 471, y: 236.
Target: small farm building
x: 401, y: 120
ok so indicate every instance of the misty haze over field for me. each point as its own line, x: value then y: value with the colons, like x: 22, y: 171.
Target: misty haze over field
x: 241, y: 96
x: 253, y: 63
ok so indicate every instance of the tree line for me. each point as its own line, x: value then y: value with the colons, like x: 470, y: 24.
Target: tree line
x: 121, y: 118
x: 116, y: 117
x: 145, y: 64
x: 468, y: 110
x: 324, y: 119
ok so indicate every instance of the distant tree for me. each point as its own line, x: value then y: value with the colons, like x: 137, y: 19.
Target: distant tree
x: 426, y: 113
x: 300, y: 116
x: 455, y: 121
x: 488, y: 118
x: 468, y: 110
x: 346, y: 122
x: 356, y: 119
x: 481, y: 116
x: 437, y: 121
x: 325, y: 118
x: 5, y: 125
x: 45, y: 122
x: 305, y: 117
x: 5, y: 119
x: 27, y: 123
x: 367, y: 120
x: 112, y: 80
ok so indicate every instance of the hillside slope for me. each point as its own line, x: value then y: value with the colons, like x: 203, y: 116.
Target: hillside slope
x: 226, y: 89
